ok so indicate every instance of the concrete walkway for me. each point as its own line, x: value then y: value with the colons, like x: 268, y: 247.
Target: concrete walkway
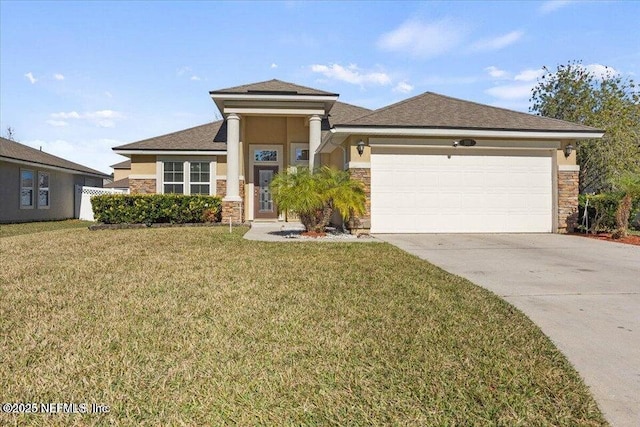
x: 583, y: 293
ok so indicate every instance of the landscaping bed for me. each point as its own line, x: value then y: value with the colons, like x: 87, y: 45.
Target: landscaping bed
x: 631, y: 239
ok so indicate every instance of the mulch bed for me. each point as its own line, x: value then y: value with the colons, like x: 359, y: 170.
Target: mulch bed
x: 630, y: 240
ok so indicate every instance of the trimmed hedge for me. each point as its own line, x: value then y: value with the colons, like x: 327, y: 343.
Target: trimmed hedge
x: 155, y: 208
x: 602, y: 211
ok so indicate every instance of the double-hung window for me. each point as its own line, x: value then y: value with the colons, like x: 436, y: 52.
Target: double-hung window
x: 26, y: 189
x: 174, y: 177
x: 200, y: 178
x: 43, y: 190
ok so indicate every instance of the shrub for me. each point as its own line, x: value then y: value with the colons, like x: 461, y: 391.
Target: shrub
x: 314, y: 197
x: 601, y: 211
x: 155, y: 208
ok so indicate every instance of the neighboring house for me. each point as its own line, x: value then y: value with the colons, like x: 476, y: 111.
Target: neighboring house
x: 121, y: 173
x: 430, y: 163
x: 37, y: 186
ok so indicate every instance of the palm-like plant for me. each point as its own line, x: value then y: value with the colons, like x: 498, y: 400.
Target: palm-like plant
x: 629, y: 184
x: 314, y: 197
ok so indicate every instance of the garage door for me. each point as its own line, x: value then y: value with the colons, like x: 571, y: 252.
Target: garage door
x: 426, y: 193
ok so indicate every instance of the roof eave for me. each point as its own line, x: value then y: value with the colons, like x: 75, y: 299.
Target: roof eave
x: 130, y: 151
x: 96, y: 174
x: 467, y: 132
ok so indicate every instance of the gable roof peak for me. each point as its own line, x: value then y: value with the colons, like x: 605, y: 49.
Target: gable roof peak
x: 433, y: 110
x: 273, y: 86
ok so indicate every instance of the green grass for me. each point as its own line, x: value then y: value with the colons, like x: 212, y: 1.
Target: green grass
x: 7, y: 230
x: 196, y: 326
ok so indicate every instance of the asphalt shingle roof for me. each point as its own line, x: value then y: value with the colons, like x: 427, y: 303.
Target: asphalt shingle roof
x: 15, y: 150
x: 431, y: 110
x: 122, y: 165
x: 274, y: 87
x: 210, y: 136
x: 213, y: 136
x: 121, y: 183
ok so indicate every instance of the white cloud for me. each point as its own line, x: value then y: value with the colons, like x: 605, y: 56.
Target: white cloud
x: 497, y: 43
x: 274, y: 65
x: 529, y: 75
x: 600, y: 71
x: 195, y: 78
x: 94, y: 153
x: 496, y: 72
x: 30, y: 77
x: 553, y: 5
x: 183, y: 70
x: 403, y: 87
x: 100, y: 118
x: 108, y: 94
x: 58, y: 76
x: 351, y: 74
x: 71, y: 115
x: 423, y: 39
x: 510, y: 92
x: 57, y: 123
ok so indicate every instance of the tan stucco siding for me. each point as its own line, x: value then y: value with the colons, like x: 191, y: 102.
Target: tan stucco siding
x: 336, y: 159
x: 297, y: 129
x: 265, y: 130
x: 119, y: 174
x: 143, y: 165
x: 571, y: 160
x: 353, y: 149
x: 221, y: 166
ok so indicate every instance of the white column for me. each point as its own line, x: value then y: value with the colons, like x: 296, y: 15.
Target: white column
x: 314, y: 140
x: 233, y: 159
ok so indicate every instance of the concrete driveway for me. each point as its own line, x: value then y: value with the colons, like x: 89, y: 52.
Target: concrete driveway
x: 583, y: 293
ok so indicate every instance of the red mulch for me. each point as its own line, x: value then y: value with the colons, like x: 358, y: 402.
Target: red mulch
x: 630, y: 240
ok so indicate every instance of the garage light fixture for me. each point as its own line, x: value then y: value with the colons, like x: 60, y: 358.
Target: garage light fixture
x: 567, y: 150
x: 467, y: 142
x: 360, y: 147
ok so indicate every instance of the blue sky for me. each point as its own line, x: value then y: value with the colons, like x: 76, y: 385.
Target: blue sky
x: 77, y: 78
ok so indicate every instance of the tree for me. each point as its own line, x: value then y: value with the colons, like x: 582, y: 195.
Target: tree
x: 629, y: 184
x: 10, y: 134
x: 314, y: 197
x: 606, y: 101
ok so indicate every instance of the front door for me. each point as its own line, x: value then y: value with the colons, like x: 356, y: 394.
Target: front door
x: 264, y: 208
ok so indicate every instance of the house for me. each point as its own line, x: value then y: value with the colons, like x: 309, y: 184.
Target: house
x: 430, y: 163
x: 37, y: 186
x: 121, y: 173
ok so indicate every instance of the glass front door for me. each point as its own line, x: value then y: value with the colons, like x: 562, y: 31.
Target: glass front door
x: 263, y: 204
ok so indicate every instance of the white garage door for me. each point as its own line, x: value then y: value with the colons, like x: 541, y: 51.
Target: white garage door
x: 423, y: 193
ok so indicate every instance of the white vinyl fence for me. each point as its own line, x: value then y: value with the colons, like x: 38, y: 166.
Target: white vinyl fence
x: 83, y: 199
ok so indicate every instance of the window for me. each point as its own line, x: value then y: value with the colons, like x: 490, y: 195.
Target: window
x: 26, y: 189
x: 174, y: 177
x: 266, y: 155
x: 43, y: 190
x: 200, y: 178
x: 300, y: 154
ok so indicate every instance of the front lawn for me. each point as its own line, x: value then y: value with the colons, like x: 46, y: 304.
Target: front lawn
x: 196, y: 326
x: 7, y: 230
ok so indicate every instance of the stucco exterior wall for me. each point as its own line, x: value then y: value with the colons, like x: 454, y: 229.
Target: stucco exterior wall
x: 143, y: 165
x: 61, y: 194
x: 119, y: 174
